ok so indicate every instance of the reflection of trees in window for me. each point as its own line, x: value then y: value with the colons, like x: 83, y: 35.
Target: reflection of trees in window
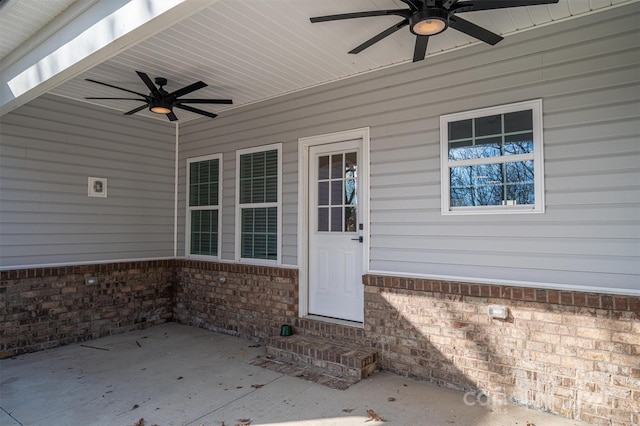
x: 486, y: 175
x: 492, y: 184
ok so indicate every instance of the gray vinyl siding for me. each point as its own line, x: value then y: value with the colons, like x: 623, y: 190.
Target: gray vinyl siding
x: 587, y: 72
x: 49, y: 148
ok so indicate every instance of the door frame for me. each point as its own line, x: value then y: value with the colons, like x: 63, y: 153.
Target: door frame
x: 304, y: 144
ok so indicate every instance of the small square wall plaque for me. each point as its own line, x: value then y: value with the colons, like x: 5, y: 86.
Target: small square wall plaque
x: 97, y: 187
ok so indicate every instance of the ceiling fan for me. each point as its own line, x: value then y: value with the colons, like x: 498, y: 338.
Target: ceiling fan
x: 160, y: 101
x: 427, y: 18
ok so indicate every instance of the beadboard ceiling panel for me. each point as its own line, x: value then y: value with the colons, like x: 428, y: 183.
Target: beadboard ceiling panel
x: 20, y: 20
x: 253, y: 50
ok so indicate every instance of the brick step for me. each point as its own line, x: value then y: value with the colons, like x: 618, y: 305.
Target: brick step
x: 340, y: 359
x: 318, y: 375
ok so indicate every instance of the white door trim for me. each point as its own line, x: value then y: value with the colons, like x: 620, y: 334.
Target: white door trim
x: 303, y: 203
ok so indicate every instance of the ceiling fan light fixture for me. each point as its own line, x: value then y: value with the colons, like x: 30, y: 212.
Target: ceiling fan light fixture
x: 160, y: 110
x: 429, y: 22
x: 160, y: 107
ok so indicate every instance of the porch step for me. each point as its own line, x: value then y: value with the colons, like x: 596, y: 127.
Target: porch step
x: 319, y: 360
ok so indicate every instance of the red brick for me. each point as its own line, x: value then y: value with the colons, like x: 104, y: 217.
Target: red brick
x: 485, y: 291
x: 517, y: 293
x: 580, y: 299
x: 621, y: 303
x: 593, y: 301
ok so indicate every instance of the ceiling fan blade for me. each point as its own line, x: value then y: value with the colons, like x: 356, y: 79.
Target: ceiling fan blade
x: 133, y: 111
x: 476, y: 5
x: 147, y: 81
x: 116, y: 87
x: 380, y: 36
x: 187, y: 89
x: 369, y: 13
x: 474, y: 30
x: 196, y: 110
x: 204, y: 101
x: 417, y: 4
x: 120, y: 99
x: 420, y: 50
x: 171, y: 116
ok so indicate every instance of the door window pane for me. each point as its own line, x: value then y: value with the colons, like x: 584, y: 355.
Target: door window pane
x: 337, y: 189
x: 323, y: 167
x: 336, y: 166
x: 350, y: 219
x: 323, y: 193
x: 323, y: 219
x: 336, y: 219
x: 336, y: 192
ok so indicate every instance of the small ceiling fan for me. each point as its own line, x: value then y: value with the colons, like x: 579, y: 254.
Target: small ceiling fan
x: 160, y: 101
x: 427, y: 18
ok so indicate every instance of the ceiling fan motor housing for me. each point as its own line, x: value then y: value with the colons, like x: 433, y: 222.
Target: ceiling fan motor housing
x: 160, y: 106
x: 425, y: 17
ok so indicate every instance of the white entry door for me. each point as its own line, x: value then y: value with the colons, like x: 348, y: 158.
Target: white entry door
x: 335, y: 231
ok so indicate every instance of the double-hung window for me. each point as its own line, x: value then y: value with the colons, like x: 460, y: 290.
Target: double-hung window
x: 258, y: 214
x: 204, y: 178
x: 492, y: 160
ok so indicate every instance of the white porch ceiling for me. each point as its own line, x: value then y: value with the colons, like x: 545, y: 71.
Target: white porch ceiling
x: 253, y: 50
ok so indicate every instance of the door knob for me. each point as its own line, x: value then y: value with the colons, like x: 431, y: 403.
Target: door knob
x: 359, y: 239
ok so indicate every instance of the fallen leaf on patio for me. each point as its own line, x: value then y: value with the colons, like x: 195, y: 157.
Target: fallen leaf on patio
x: 255, y: 346
x: 244, y: 422
x: 180, y: 378
x: 530, y: 424
x: 257, y: 386
x: 391, y: 399
x: 139, y: 422
x: 348, y: 410
x: 373, y: 416
x: 135, y: 406
x: 238, y: 387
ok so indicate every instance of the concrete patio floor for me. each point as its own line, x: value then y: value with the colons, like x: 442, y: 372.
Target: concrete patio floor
x: 178, y: 375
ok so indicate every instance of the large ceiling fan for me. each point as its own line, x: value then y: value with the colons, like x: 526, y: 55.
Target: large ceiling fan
x: 426, y: 18
x: 160, y: 101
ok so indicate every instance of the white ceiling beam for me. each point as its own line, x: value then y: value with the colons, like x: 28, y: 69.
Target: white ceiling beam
x: 87, y: 39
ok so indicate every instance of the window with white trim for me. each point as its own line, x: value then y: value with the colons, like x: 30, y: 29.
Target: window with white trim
x: 258, y: 214
x: 492, y: 160
x: 204, y: 179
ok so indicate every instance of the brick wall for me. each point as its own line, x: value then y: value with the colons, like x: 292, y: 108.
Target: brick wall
x: 46, y: 307
x: 571, y: 353
x: 242, y: 300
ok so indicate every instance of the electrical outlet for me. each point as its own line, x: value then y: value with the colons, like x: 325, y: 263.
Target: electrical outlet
x: 498, y: 311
